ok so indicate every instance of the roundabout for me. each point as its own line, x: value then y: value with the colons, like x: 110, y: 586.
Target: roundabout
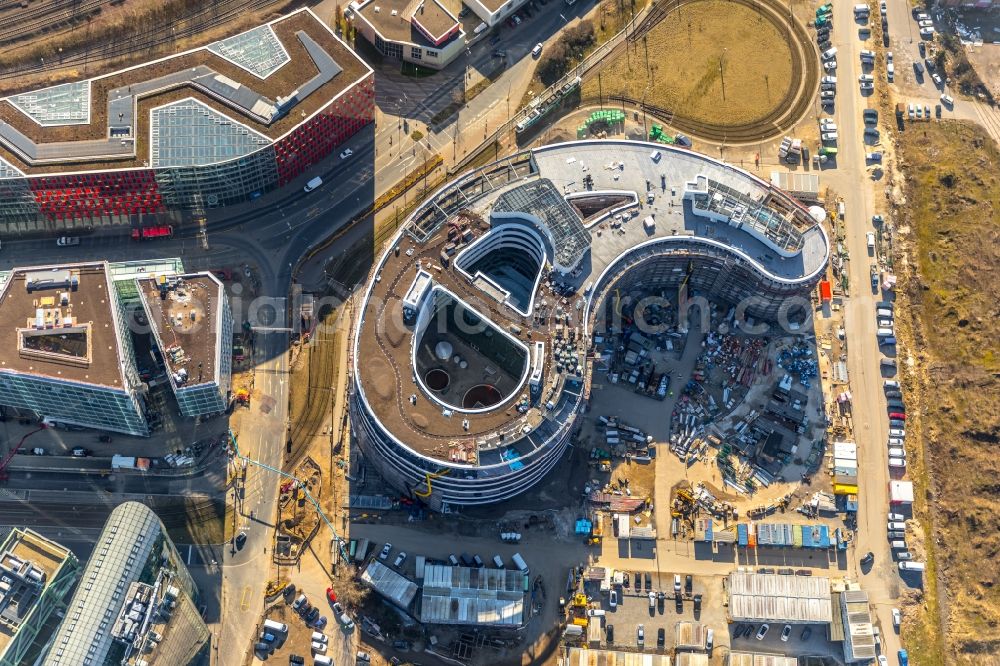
x: 738, y: 71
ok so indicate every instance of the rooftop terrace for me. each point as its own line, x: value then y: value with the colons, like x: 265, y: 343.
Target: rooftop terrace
x: 183, y: 313
x: 539, y: 184
x: 28, y: 562
x: 251, y: 82
x: 60, y: 322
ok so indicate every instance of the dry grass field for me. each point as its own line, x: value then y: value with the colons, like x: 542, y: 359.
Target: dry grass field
x: 951, y: 233
x: 685, y: 51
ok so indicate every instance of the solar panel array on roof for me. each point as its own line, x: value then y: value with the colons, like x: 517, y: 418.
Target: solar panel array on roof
x: 259, y: 51
x: 189, y: 133
x: 541, y: 199
x: 66, y: 104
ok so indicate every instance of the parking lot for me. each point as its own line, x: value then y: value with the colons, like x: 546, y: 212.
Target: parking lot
x: 633, y: 609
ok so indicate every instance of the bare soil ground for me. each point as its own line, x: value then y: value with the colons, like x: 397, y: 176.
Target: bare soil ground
x: 685, y: 52
x: 952, y: 251
x: 986, y: 60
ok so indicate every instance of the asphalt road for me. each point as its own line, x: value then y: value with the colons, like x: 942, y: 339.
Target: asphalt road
x: 851, y: 180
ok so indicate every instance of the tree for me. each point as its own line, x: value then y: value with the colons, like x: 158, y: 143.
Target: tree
x: 553, y: 64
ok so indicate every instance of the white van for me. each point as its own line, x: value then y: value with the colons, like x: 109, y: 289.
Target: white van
x: 884, y: 333
x: 897, y: 453
x: 912, y: 566
x: 655, y: 156
x: 884, y: 312
x: 319, y: 637
x: 899, y: 545
x: 322, y: 660
x: 895, y: 441
x: 498, y: 561
x: 537, y: 51
x: 890, y: 384
x: 313, y: 184
x: 276, y: 626
x: 318, y: 648
x: 897, y: 432
x: 897, y: 463
x: 861, y: 10
x: 595, y: 612
x: 830, y: 53
x: 896, y: 525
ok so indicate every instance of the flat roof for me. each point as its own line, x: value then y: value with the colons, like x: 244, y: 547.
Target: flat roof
x: 391, y: 584
x: 470, y: 596
x: 183, y: 313
x: 30, y: 562
x: 59, y: 321
x: 581, y: 657
x: 270, y: 79
x: 542, y: 182
x: 779, y: 598
x: 393, y: 20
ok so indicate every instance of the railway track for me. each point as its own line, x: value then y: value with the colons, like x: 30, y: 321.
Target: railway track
x: 46, y: 17
x: 792, y: 107
x: 151, y: 38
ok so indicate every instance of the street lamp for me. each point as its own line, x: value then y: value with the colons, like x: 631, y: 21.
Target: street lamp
x: 722, y: 74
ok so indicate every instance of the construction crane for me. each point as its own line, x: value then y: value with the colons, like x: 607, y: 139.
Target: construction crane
x: 13, y: 452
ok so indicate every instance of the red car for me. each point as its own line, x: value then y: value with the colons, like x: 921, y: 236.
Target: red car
x: 331, y: 596
x: 897, y: 415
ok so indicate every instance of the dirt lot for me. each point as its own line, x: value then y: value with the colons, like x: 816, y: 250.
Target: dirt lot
x: 684, y: 71
x: 953, y: 253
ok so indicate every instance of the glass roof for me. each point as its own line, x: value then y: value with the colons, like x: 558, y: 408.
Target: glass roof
x: 189, y: 133
x: 258, y: 51
x: 66, y: 104
x: 542, y: 200
x: 8, y: 170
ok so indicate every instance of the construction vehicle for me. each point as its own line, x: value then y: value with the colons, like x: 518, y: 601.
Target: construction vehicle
x: 14, y: 450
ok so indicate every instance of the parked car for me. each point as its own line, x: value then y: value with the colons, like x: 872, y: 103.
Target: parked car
x: 677, y: 583
x: 897, y: 618
x: 347, y: 153
x: 948, y: 100
x: 763, y: 631
x: 80, y: 452
x: 610, y: 633
x: 873, y: 156
x: 626, y: 580
x: 400, y: 559
x: 688, y: 583
x: 806, y: 633
x: 786, y: 632
x: 66, y: 241
x: 613, y: 599
x: 640, y: 632
x: 869, y: 558
x: 896, y: 516
x: 386, y: 549
x: 661, y: 638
